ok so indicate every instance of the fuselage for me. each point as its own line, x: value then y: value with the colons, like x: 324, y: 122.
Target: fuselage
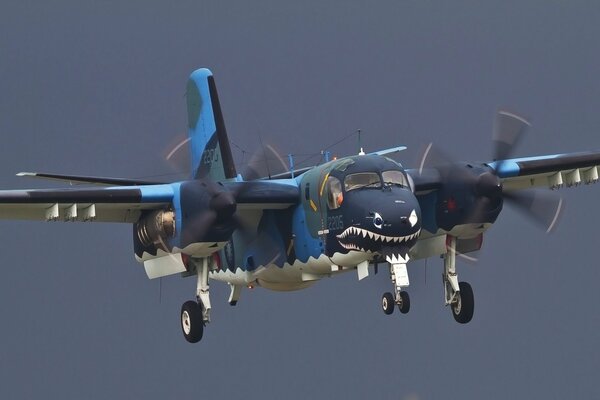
x: 350, y: 211
x: 344, y: 213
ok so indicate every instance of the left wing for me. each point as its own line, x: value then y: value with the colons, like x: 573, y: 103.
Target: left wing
x: 551, y: 171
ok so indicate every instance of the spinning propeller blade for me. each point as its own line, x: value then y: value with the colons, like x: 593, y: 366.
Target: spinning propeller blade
x: 544, y: 209
x: 509, y: 128
x: 508, y: 131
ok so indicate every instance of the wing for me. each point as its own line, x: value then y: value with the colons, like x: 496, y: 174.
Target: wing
x: 551, y: 171
x: 114, y: 204
x: 94, y: 180
x: 125, y: 203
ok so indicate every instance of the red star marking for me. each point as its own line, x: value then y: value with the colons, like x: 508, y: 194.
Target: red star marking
x: 451, y: 204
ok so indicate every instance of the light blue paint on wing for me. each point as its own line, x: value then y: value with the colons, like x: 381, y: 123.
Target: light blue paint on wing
x: 510, y: 168
x: 506, y: 169
x: 157, y: 193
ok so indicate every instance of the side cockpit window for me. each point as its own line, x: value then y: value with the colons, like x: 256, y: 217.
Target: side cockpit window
x: 335, y: 197
x: 362, y: 180
x: 394, y: 178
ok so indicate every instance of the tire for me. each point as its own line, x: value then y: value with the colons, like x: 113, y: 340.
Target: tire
x: 404, y: 305
x: 387, y: 303
x: 463, y: 309
x: 192, y: 324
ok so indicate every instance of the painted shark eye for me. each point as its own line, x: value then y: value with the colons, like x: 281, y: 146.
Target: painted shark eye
x: 377, y: 221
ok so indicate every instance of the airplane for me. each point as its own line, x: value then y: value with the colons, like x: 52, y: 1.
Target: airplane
x: 287, y: 231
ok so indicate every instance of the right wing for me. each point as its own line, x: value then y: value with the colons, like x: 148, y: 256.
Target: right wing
x: 114, y: 204
x: 94, y: 180
x: 126, y: 203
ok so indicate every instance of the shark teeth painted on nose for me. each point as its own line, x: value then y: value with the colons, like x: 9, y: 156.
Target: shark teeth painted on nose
x: 355, y: 231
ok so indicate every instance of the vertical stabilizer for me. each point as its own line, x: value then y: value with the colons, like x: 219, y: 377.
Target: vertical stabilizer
x: 211, y: 153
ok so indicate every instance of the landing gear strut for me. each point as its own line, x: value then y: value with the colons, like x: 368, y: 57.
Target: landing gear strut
x: 196, y: 314
x: 399, y: 277
x: 459, y: 295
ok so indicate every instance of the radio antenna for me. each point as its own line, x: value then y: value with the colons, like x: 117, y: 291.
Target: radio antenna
x: 361, y: 152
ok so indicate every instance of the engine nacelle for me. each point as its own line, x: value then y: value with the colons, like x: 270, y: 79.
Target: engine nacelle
x: 155, y: 228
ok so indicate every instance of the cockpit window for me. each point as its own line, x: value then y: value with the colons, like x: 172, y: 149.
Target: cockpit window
x: 394, y: 178
x: 335, y: 197
x: 362, y: 180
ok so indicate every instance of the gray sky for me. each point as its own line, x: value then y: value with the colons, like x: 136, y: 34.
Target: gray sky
x: 97, y: 88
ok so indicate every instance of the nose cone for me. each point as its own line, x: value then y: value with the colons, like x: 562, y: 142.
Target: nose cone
x: 387, y: 221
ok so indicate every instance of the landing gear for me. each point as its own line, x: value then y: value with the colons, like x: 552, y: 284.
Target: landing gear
x: 387, y: 303
x: 192, y: 324
x: 463, y: 307
x: 459, y: 296
x: 404, y: 305
x: 399, y: 277
x: 196, y: 314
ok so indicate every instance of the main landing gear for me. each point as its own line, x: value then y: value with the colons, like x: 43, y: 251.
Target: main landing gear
x: 196, y: 314
x: 399, y: 277
x: 459, y: 295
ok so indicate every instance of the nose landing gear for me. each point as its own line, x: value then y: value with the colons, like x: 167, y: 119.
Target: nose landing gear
x: 399, y: 277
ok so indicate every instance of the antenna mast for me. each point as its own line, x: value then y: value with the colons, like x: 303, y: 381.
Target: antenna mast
x: 361, y: 152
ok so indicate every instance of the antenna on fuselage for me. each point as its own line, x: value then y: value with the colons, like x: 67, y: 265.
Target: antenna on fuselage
x: 291, y: 159
x: 361, y: 151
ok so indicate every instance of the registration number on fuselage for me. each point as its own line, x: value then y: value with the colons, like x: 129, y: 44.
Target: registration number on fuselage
x: 335, y: 223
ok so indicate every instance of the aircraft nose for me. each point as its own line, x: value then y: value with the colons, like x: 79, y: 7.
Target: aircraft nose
x: 385, y: 222
x: 398, y: 216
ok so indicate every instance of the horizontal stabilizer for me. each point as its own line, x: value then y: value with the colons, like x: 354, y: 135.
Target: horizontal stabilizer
x: 389, y: 151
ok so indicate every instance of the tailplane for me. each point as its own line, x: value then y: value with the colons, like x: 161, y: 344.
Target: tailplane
x: 211, y: 152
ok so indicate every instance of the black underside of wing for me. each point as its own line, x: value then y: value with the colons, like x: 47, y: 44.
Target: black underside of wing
x: 43, y: 196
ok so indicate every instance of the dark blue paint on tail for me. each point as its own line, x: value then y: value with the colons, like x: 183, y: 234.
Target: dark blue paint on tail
x: 211, y: 153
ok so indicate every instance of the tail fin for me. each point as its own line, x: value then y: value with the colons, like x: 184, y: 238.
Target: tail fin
x: 211, y: 153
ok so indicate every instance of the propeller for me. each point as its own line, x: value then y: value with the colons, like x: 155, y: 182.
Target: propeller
x: 212, y: 207
x: 479, y: 190
x: 263, y: 163
x: 177, y: 156
x: 208, y: 206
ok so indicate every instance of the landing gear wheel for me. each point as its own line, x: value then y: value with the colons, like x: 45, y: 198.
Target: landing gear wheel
x: 192, y: 324
x: 463, y: 307
x: 387, y: 303
x: 404, y: 305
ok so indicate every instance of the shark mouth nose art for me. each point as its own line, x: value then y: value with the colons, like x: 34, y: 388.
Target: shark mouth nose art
x: 348, y: 238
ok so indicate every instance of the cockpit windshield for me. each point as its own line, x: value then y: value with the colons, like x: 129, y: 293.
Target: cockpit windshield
x: 394, y: 178
x: 362, y: 180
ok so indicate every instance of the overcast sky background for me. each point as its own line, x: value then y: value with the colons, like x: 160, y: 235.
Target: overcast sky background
x: 97, y: 88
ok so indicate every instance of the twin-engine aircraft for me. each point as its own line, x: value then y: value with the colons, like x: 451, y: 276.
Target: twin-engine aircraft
x: 289, y: 231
